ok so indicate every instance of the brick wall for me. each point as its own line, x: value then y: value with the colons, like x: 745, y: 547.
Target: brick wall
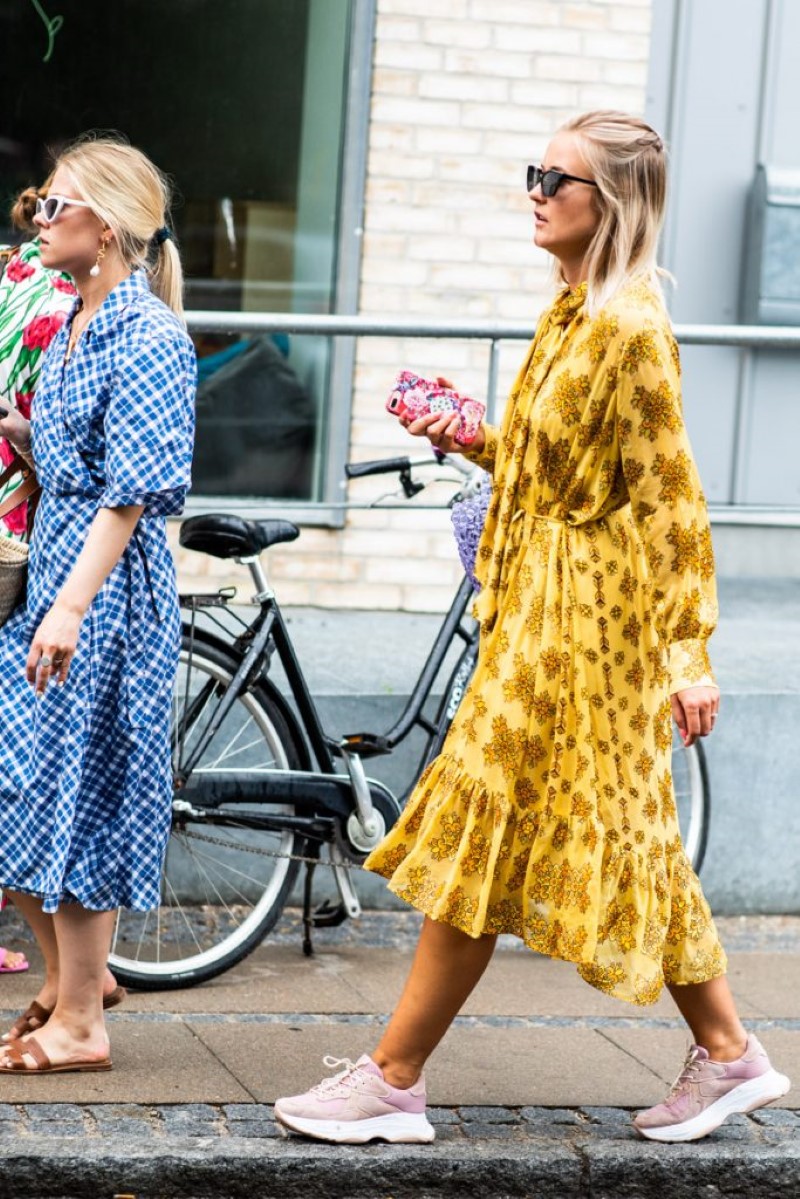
x: 465, y: 93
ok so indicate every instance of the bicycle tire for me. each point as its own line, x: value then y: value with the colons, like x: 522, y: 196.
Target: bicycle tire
x: 219, y: 901
x: 453, y: 694
x: 689, y: 768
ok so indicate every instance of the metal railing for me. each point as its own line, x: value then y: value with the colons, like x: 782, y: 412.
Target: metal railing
x: 746, y: 337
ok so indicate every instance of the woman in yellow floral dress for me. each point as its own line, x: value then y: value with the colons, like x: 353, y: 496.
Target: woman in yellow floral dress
x: 550, y: 812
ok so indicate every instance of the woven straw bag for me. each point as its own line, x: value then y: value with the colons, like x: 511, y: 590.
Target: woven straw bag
x: 14, y: 554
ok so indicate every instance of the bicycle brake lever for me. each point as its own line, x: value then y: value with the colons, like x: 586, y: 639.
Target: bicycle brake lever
x: 409, y: 485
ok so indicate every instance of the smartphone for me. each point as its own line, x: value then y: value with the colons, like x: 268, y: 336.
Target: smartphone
x: 414, y: 396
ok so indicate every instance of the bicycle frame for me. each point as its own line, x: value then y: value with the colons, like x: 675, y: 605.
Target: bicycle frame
x: 268, y: 635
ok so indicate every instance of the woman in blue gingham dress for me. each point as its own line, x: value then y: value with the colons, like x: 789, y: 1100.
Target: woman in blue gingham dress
x: 87, y: 665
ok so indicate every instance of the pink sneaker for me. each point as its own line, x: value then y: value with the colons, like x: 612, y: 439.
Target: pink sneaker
x: 357, y: 1105
x: 706, y: 1092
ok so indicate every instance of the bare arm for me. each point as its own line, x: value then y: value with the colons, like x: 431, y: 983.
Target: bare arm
x: 17, y: 430
x: 57, y: 636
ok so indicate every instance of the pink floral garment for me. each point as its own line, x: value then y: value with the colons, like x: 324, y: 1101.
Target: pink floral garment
x: 34, y: 304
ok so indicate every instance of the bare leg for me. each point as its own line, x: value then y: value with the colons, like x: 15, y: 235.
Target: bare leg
x: 76, y: 1028
x: 447, y: 966
x: 709, y: 1010
x: 41, y: 926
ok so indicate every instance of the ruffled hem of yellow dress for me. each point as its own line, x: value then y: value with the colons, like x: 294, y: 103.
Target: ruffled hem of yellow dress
x: 632, y: 918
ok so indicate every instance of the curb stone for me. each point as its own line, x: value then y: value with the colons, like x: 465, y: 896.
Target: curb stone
x: 200, y: 1151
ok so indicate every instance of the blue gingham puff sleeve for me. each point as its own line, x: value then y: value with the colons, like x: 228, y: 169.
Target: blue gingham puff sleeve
x: 149, y: 420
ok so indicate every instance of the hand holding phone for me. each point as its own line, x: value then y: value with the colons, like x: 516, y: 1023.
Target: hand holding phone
x: 413, y: 396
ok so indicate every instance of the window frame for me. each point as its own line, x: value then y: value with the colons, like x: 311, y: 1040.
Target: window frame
x: 336, y: 403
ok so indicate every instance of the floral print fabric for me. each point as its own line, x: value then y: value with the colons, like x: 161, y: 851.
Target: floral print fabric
x: 550, y: 812
x: 34, y: 303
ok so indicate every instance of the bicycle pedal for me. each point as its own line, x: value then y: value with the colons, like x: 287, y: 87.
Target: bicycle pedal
x: 366, y: 745
x: 329, y: 915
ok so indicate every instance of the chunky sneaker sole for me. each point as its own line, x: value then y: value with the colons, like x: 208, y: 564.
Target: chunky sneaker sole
x: 747, y: 1097
x: 404, y: 1128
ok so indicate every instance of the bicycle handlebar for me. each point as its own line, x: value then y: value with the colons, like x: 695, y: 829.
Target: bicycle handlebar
x: 382, y: 466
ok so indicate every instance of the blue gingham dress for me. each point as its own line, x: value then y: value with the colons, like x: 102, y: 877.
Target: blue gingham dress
x: 85, y: 778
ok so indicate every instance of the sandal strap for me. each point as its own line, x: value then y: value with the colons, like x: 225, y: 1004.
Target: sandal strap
x: 37, y: 1011
x: 15, y: 1053
x: 34, y: 1049
x: 24, y: 1023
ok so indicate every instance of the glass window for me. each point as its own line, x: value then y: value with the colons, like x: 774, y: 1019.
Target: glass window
x: 242, y: 103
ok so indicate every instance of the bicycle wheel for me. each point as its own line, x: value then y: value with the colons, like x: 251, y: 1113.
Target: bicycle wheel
x: 692, y: 798
x: 453, y: 694
x: 222, y: 888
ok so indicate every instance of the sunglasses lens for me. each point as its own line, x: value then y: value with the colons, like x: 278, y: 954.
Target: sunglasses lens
x: 49, y: 208
x: 550, y: 183
x: 534, y: 178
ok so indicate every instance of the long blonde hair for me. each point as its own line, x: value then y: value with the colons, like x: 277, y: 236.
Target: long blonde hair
x: 627, y: 160
x: 132, y: 196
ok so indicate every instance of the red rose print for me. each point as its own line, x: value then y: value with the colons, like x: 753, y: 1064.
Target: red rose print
x: 64, y: 285
x: 41, y: 331
x: 17, y: 270
x: 6, y: 452
x: 23, y: 400
x: 17, y: 521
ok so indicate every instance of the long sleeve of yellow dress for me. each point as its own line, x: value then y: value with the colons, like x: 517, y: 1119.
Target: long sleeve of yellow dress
x: 485, y: 457
x: 667, y: 501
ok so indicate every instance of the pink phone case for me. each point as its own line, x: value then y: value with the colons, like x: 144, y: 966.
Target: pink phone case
x: 414, y: 396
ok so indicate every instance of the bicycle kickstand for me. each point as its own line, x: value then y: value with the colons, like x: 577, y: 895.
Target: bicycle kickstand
x: 312, y: 859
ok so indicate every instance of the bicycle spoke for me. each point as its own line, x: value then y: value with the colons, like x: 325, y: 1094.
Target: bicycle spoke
x: 223, y: 885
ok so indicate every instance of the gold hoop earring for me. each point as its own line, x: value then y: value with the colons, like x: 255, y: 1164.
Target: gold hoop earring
x: 101, y: 253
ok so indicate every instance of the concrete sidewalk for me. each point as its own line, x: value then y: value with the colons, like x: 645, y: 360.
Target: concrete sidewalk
x: 532, y: 1087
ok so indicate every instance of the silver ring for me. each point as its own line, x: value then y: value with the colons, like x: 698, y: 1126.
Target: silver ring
x: 45, y: 660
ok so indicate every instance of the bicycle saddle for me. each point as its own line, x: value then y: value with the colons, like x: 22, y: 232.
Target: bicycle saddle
x: 225, y: 535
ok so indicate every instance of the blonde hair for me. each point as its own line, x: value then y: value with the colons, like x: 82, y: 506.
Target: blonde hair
x: 627, y: 160
x: 132, y: 196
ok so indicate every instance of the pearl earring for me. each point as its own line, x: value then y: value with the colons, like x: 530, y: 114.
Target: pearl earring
x: 101, y: 253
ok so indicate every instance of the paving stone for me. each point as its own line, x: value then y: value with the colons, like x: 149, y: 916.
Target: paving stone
x: 11, y: 1128
x: 443, y: 1115
x: 254, y: 1129
x: 550, y: 1115
x: 191, y: 1120
x: 607, y: 1115
x: 454, y: 1132
x: 122, y: 1127
x: 8, y: 1112
x: 104, y: 1111
x: 737, y: 1132
x: 46, y: 1112
x: 489, y: 1115
x: 247, y: 1111
x: 61, y: 1128
x: 492, y: 1132
x: 776, y: 1115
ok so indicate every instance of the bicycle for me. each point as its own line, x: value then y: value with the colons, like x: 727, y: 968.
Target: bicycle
x: 257, y: 789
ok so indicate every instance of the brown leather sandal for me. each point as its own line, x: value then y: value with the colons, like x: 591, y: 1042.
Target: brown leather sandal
x: 16, y: 1052
x: 37, y: 1012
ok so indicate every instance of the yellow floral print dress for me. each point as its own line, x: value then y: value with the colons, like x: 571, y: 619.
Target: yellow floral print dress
x: 550, y: 812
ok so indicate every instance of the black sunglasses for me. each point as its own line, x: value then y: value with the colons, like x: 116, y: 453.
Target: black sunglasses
x: 551, y: 180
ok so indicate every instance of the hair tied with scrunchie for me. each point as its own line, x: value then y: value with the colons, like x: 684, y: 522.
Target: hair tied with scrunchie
x: 161, y: 235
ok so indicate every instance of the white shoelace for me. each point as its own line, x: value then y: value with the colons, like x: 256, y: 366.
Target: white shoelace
x: 690, y: 1069
x: 338, y: 1084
